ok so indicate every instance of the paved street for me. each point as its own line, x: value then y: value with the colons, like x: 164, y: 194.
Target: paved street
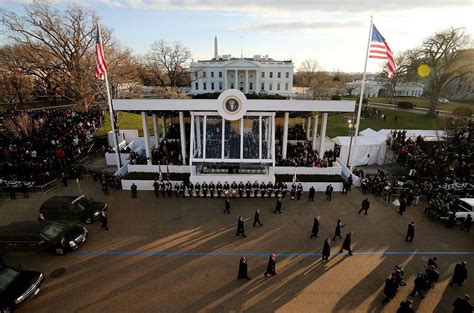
x: 182, y: 255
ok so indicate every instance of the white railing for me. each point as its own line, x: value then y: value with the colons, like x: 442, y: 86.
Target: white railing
x: 289, y: 170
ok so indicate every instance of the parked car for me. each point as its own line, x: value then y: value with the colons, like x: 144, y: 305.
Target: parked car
x: 69, y: 208
x: 464, y: 206
x: 443, y: 100
x: 53, y: 236
x: 17, y: 286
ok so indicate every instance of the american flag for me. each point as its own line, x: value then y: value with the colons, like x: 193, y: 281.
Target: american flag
x: 100, y: 64
x: 379, y: 49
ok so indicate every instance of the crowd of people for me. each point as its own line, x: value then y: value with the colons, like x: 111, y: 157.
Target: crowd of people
x: 302, y: 154
x: 55, y: 138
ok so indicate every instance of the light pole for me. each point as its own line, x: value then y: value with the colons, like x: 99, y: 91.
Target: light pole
x: 351, y: 133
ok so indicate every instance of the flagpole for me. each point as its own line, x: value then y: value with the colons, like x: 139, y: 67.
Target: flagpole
x: 356, y: 134
x: 111, y: 111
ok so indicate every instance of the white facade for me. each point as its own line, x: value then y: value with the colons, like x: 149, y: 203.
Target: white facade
x: 249, y: 75
x: 373, y: 89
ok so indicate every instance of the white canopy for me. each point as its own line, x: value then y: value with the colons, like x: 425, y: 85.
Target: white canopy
x: 368, y: 150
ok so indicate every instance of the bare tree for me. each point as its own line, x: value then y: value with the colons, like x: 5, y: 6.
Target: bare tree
x: 401, y: 72
x: 322, y: 86
x: 307, y: 70
x: 168, y: 63
x: 447, y: 56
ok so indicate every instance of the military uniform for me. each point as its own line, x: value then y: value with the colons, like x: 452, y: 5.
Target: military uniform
x: 212, y: 188
x: 241, y: 189
x: 204, y: 189
x: 255, y: 189
x: 248, y: 189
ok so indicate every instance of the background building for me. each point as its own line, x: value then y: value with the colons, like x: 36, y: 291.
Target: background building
x: 259, y: 74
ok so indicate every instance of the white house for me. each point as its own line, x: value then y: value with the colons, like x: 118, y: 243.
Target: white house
x: 259, y: 74
x: 374, y: 88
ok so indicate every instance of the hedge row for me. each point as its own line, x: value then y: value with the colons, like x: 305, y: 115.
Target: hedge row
x: 405, y: 105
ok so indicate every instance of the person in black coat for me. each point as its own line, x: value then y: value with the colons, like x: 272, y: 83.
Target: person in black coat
x: 219, y: 189
x: 311, y: 194
x: 227, y: 206
x: 406, y: 307
x: 241, y: 189
x: 248, y: 189
x: 346, y: 245
x: 134, y: 191
x: 271, y: 266
x: 315, y: 229
x: 204, y: 189
x: 212, y: 188
x: 243, y: 269
x: 197, y: 186
x: 240, y: 227
x: 403, y: 206
x: 103, y: 219
x: 299, y: 191
x: 256, y: 218
x: 263, y: 187
x: 326, y: 250
x: 390, y: 289
x: 433, y: 262
x: 410, y: 232
x: 420, y: 286
x: 163, y: 189
x: 462, y: 305
x: 337, y: 232
x: 460, y: 274
x: 365, y: 206
x: 329, y: 190
x: 278, y: 206
x: 467, y: 223
x: 156, y: 188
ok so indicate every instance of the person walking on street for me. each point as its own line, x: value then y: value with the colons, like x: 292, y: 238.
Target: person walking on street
x: 299, y: 191
x: 256, y: 218
x: 64, y: 179
x: 243, y: 274
x: 315, y: 229
x: 326, y: 253
x: 467, y: 223
x: 156, y: 188
x: 460, y: 274
x: 227, y: 206
x: 278, y: 206
x: 365, y: 206
x: 337, y: 232
x: 24, y: 190
x: 103, y: 219
x: 406, y: 307
x: 329, y: 190
x: 420, y: 286
x: 410, y: 232
x: 271, y: 266
x: 311, y: 194
x: 403, y: 206
x: 462, y: 305
x: 134, y: 191
x: 105, y: 187
x: 240, y: 227
x: 433, y: 262
x: 346, y: 245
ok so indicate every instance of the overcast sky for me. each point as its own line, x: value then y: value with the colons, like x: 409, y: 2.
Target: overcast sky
x: 332, y: 31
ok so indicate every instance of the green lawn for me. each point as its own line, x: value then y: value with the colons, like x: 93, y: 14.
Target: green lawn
x: 337, y: 124
x: 424, y: 102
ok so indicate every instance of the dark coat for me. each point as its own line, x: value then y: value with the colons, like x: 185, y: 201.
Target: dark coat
x: 271, y: 266
x: 256, y: 217
x: 242, y: 269
x: 326, y: 249
x: 337, y: 232
x: 312, y: 191
x: 346, y: 245
x: 365, y: 204
x: 460, y: 274
x: 411, y: 230
x: 227, y: 204
x: 315, y: 228
x: 240, y: 226
x: 278, y: 205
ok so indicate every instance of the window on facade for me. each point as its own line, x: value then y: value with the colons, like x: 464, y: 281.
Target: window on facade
x: 279, y: 74
x: 204, y: 86
x: 196, y: 85
x: 270, y: 86
x: 262, y: 86
x: 287, y: 74
x: 278, y: 86
x: 250, y: 86
x: 231, y: 85
x: 204, y: 74
x: 263, y: 74
x: 220, y: 86
x: 212, y: 74
x: 286, y: 86
x: 195, y: 74
x: 220, y: 74
x: 212, y: 86
x: 271, y: 74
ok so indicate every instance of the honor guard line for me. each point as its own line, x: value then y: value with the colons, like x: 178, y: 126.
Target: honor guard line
x: 230, y: 138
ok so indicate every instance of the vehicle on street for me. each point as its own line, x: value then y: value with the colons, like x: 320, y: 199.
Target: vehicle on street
x: 17, y: 286
x: 443, y: 100
x: 464, y: 207
x: 34, y: 235
x: 70, y: 208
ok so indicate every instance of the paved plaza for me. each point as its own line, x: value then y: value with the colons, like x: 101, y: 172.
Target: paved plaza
x: 182, y: 255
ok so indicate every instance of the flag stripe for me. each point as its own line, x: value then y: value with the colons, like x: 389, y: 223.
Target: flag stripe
x: 379, y: 49
x: 100, y: 64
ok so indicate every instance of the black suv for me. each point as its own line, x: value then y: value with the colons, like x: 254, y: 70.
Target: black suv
x: 42, y: 235
x: 68, y: 208
x: 16, y: 286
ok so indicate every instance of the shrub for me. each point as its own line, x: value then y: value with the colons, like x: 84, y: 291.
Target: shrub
x: 336, y: 97
x: 364, y: 101
x: 462, y: 111
x: 405, y: 105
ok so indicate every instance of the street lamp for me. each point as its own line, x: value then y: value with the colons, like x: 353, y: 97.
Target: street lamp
x: 350, y: 126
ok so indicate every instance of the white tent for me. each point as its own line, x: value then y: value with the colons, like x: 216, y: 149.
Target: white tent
x: 367, y: 150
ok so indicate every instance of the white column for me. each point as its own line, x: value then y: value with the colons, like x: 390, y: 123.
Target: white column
x: 285, y: 135
x: 225, y: 80
x: 273, y: 139
x: 323, y: 134
x: 315, y: 130
x: 204, y: 136
x: 183, y: 136
x: 146, y: 134
x: 236, y: 86
x: 308, y: 128
x: 155, y: 130
x: 191, y: 141
x: 260, y: 137
x: 241, y: 138
x: 198, y: 135
x: 223, y: 139
x: 257, y: 84
x: 246, y: 87
x: 163, y: 126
